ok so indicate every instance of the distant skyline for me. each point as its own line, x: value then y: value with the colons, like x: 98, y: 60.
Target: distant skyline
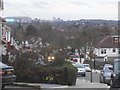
x: 64, y: 9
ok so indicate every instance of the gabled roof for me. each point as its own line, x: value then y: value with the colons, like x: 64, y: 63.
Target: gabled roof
x: 7, y: 28
x: 108, y: 42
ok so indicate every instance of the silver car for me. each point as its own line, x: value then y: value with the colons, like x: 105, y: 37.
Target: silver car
x: 87, y: 67
x: 105, y: 75
x: 81, y: 69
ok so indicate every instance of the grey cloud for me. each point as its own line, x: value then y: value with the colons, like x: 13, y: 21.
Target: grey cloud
x: 40, y: 4
x: 49, y: 8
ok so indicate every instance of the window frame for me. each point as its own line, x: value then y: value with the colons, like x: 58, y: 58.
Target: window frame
x: 103, y: 51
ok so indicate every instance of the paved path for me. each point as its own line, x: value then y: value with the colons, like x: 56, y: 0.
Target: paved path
x: 79, y: 84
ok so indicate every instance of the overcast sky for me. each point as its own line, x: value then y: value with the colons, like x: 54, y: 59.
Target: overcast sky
x: 64, y: 9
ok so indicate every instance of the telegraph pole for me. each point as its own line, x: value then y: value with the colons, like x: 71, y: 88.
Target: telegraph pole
x: 91, y: 51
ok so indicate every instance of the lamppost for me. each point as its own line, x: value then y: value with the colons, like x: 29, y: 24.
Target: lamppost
x: 80, y: 54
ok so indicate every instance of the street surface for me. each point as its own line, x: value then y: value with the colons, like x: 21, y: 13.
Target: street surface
x: 95, y: 77
x: 82, y: 83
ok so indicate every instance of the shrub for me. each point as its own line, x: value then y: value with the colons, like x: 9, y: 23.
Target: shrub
x: 71, y: 72
x: 59, y: 73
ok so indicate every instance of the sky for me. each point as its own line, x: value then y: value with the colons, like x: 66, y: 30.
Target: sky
x: 64, y: 9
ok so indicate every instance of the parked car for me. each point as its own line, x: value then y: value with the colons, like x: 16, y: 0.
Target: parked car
x: 87, y: 67
x: 75, y: 58
x: 7, y: 74
x: 115, y: 77
x: 105, y: 75
x: 81, y: 69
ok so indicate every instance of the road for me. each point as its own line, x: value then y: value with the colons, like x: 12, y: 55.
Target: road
x: 95, y: 77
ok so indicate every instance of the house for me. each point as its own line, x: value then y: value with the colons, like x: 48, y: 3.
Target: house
x: 5, y: 35
x: 108, y: 47
x: 8, y: 46
x: 2, y: 21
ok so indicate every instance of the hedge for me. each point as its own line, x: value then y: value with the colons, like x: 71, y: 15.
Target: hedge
x: 63, y: 75
x: 58, y: 72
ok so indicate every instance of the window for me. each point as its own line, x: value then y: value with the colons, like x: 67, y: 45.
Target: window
x: 118, y: 51
x: 114, y: 50
x: 103, y: 51
x: 8, y: 36
x: 116, y: 39
x: 117, y: 65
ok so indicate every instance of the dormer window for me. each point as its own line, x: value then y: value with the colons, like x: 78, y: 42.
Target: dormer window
x: 116, y: 39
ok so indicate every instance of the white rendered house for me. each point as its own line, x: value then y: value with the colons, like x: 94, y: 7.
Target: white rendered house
x: 108, y: 46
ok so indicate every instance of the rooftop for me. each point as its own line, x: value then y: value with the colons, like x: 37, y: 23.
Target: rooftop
x: 2, y: 20
x: 109, y: 42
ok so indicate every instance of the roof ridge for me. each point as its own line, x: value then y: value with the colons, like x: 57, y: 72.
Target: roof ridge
x: 105, y: 38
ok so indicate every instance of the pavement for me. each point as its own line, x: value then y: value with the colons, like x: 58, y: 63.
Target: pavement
x: 79, y: 84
